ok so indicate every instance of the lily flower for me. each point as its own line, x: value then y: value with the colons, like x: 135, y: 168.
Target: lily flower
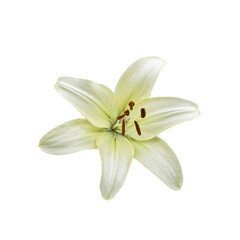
x: 122, y: 125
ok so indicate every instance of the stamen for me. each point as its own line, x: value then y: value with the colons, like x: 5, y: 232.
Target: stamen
x: 131, y: 104
x: 143, y: 112
x: 137, y: 128
x: 126, y: 119
x: 127, y: 112
x: 123, y: 127
x: 120, y: 117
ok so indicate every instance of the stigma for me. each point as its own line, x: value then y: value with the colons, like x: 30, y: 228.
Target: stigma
x: 125, y: 117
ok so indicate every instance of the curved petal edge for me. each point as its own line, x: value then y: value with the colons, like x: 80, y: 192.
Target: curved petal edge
x: 159, y: 158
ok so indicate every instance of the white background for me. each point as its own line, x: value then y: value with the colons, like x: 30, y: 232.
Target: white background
x: 57, y: 197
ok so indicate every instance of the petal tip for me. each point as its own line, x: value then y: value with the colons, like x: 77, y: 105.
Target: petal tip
x: 57, y: 84
x: 61, y: 78
x: 59, y: 81
x: 158, y: 60
x: 163, y: 61
x: 107, y: 196
x: 40, y: 144
x: 179, y: 183
x: 42, y: 147
x: 62, y: 81
x: 152, y: 60
x: 195, y: 109
x: 198, y: 111
x: 177, y: 186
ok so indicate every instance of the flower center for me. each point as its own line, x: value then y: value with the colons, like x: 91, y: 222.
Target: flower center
x: 125, y: 117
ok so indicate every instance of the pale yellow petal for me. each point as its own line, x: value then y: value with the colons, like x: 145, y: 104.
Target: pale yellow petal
x: 138, y: 80
x: 116, y: 154
x: 161, y: 114
x: 95, y: 101
x: 160, y: 159
x: 70, y: 137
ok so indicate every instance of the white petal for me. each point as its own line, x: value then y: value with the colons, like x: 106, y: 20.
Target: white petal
x: 159, y: 158
x: 138, y: 80
x: 72, y: 136
x: 95, y: 101
x: 161, y: 113
x: 116, y: 154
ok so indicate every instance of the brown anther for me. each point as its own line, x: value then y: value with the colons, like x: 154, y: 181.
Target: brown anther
x: 143, y: 112
x: 131, y: 104
x: 127, y: 112
x: 120, y: 117
x: 123, y: 127
x: 137, y: 128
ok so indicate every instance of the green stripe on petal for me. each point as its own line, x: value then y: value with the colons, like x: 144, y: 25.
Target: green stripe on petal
x: 138, y: 80
x: 70, y: 137
x: 95, y: 101
x: 116, y: 154
x: 159, y: 158
x: 161, y: 114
